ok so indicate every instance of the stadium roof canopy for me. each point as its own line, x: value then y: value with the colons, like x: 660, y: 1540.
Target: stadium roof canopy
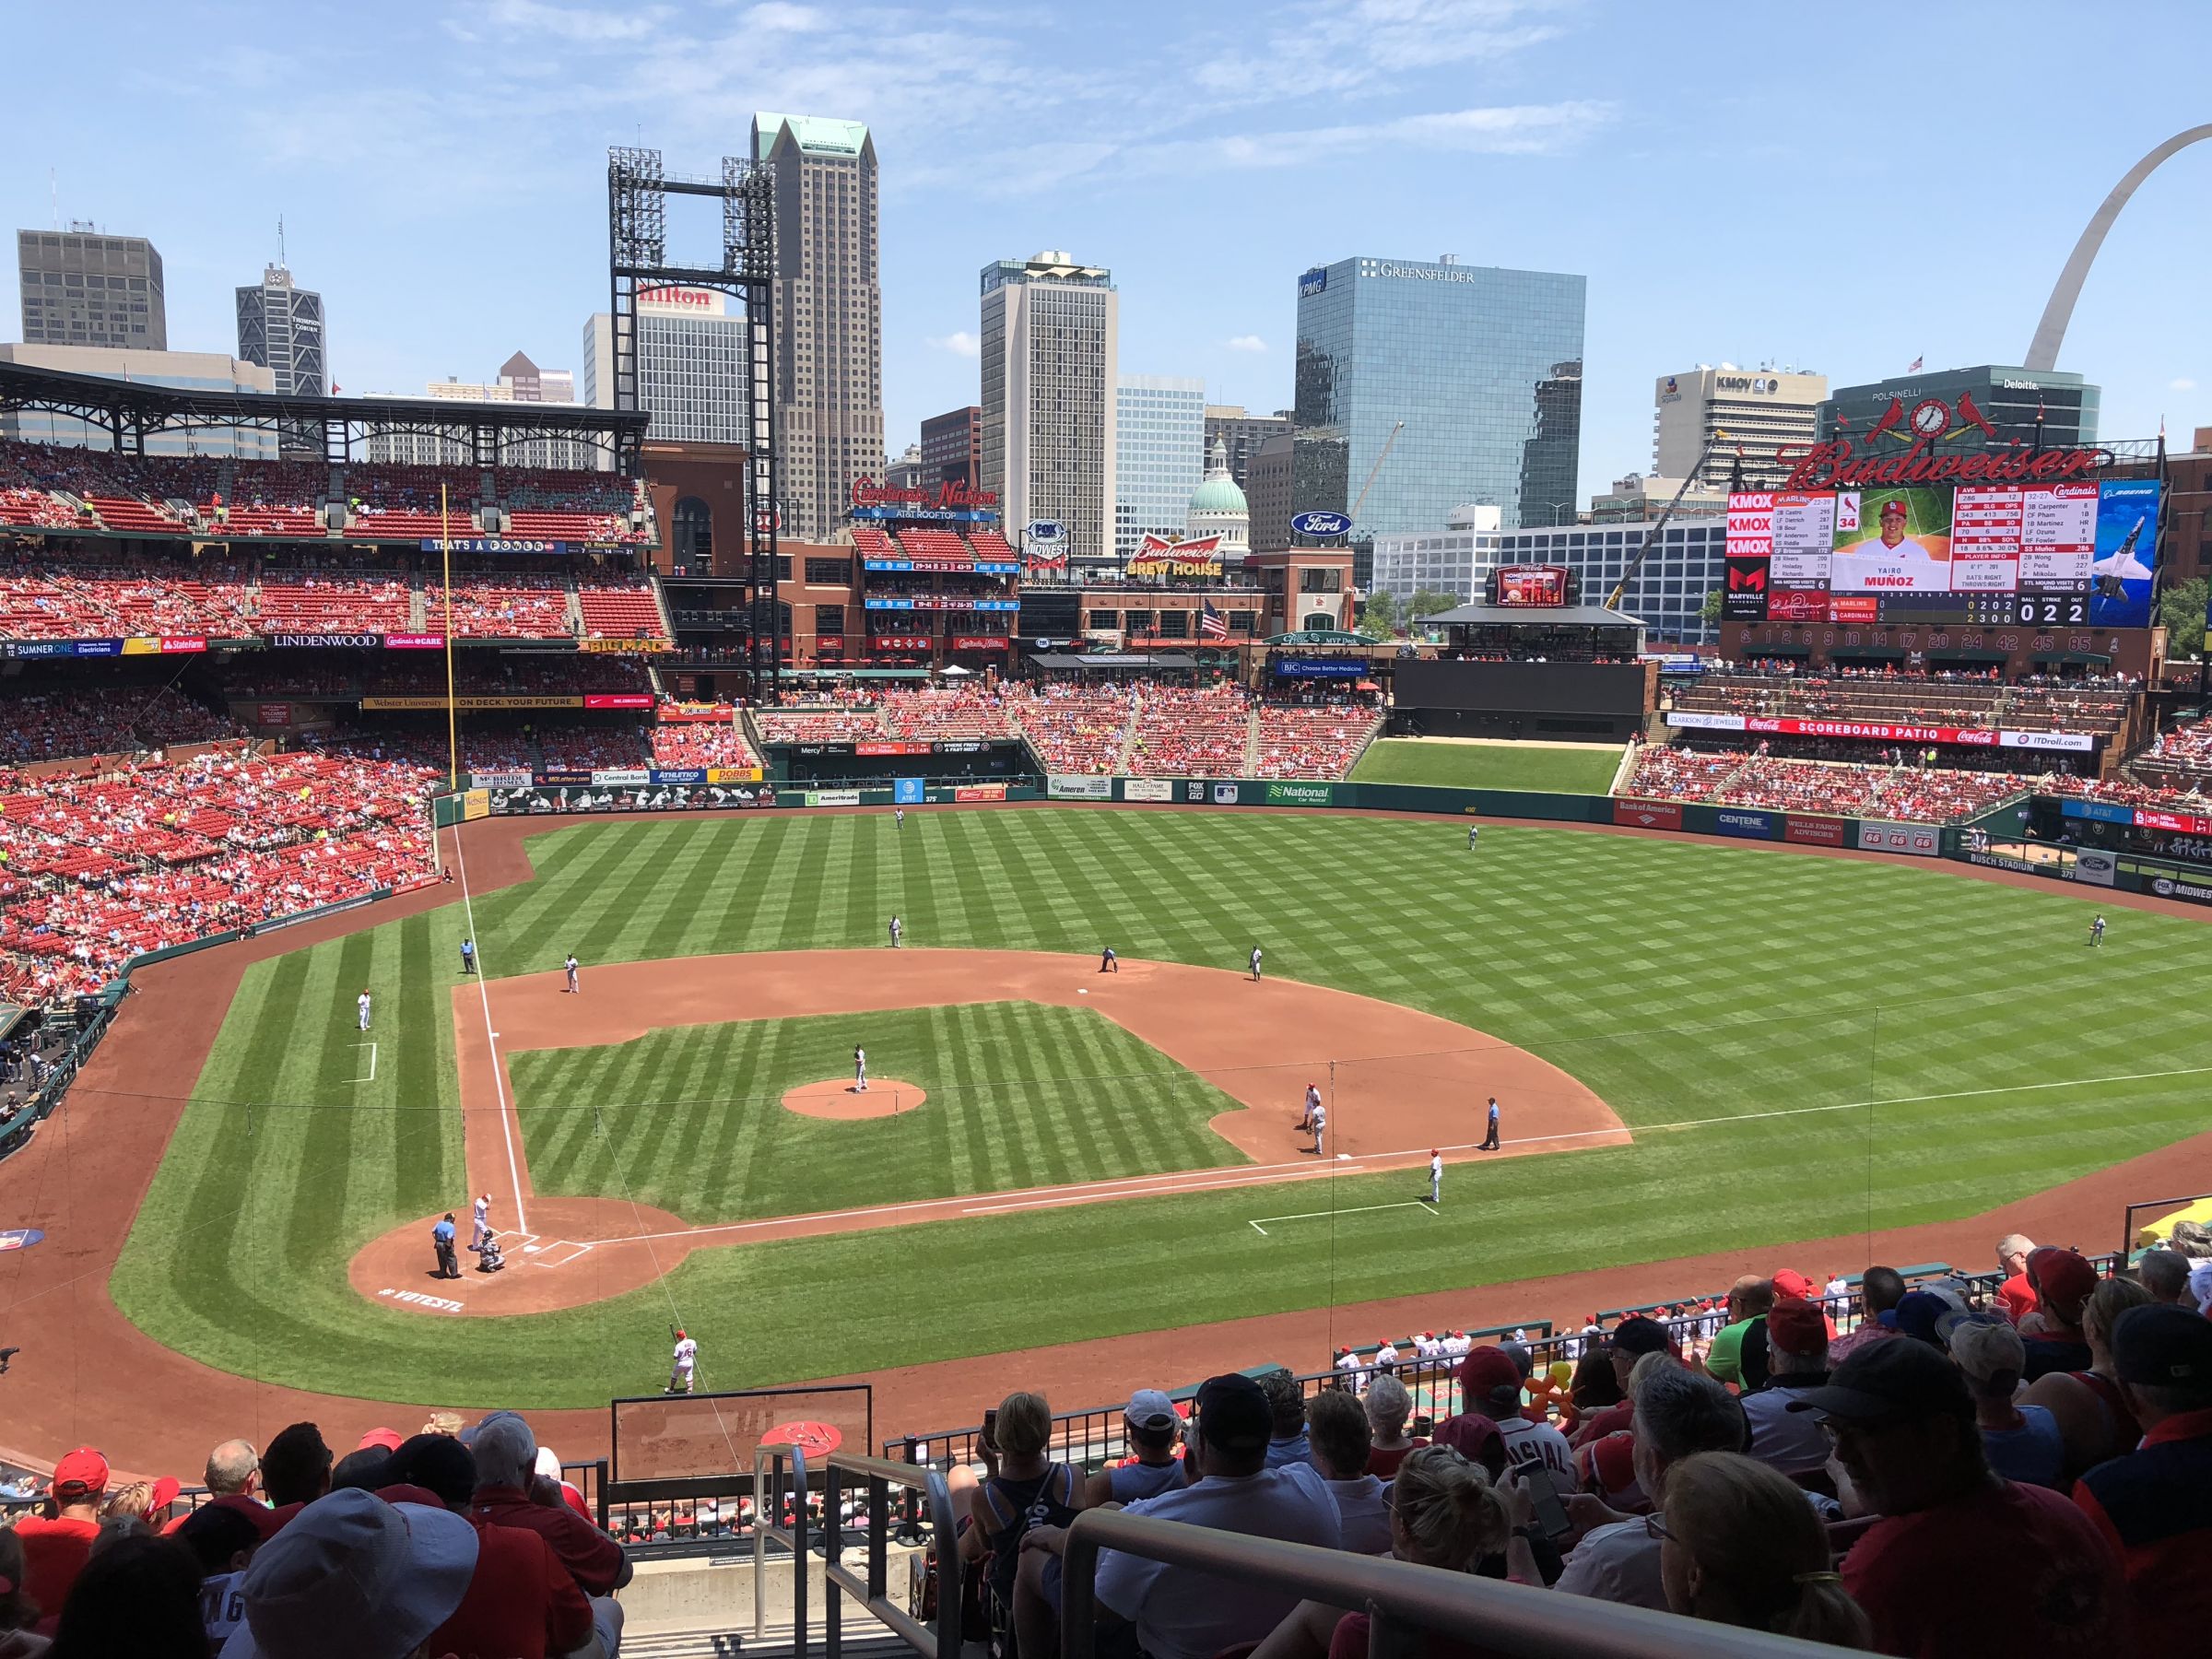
x: 1115, y: 659
x: 1530, y: 616
x: 129, y: 411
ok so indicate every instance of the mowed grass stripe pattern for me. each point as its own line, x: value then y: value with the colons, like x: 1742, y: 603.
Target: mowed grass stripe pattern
x: 1683, y: 981
x: 1019, y: 1095
x: 1586, y: 768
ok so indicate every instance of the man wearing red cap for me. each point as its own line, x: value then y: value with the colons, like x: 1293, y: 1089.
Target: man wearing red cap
x: 2063, y: 1281
x: 1436, y: 1175
x: 55, y: 1551
x: 1490, y: 1385
x: 1796, y: 1361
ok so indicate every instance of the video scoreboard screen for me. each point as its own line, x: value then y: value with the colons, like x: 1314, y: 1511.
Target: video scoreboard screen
x: 2030, y: 555
x: 1538, y: 586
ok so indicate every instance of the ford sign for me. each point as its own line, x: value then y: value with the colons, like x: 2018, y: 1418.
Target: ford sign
x: 1313, y: 282
x: 1045, y: 530
x: 1321, y: 524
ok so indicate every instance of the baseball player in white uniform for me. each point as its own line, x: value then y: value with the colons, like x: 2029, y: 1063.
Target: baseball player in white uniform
x: 684, y: 1368
x: 1436, y: 1175
x: 1312, y: 1105
x: 575, y: 978
x: 361, y: 1002
x: 1458, y: 1345
x: 860, y: 1071
x: 1349, y: 1368
x: 1320, y: 1125
x: 480, y: 1222
x: 898, y: 930
x: 1255, y: 961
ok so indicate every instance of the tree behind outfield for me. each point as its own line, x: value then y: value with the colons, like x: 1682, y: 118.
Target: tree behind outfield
x: 2181, y: 613
x: 1710, y: 610
x: 1379, y: 615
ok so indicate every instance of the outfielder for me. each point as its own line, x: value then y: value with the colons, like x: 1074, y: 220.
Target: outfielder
x: 898, y: 817
x: 1474, y: 833
x: 2096, y: 937
x: 362, y: 1002
x: 684, y: 1367
x: 898, y: 930
x: 860, y: 1071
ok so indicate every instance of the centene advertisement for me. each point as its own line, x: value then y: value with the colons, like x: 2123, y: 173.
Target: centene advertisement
x: 1788, y: 725
x: 1881, y: 835
x: 1753, y: 826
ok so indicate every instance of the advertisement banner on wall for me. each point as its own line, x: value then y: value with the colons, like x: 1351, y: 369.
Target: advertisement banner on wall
x: 980, y: 791
x: 1813, y: 831
x: 833, y: 797
x: 1784, y: 725
x: 273, y: 715
x: 1649, y: 815
x: 620, y: 775
x: 1062, y: 786
x: 1225, y: 795
x: 681, y: 774
x: 544, y: 800
x: 1882, y: 835
x: 501, y: 780
x: 2176, y: 886
x: 413, y: 642
x: 1302, y: 794
x: 1753, y: 826
x: 1147, y: 789
x: 2095, y: 866
x: 733, y: 774
x: 908, y: 791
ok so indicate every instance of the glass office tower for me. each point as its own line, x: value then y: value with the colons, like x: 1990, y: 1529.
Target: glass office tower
x: 1483, y: 366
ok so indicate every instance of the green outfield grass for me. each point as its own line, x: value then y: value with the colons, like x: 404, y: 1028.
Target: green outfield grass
x: 691, y: 1119
x: 1584, y: 769
x: 1738, y: 1007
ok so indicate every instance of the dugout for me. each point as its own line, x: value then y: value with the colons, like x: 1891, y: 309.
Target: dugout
x: 1582, y: 703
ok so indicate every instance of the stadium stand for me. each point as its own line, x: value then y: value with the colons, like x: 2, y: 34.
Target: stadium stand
x: 950, y: 713
x: 701, y: 743
x: 71, y: 723
x: 518, y: 608
x: 992, y: 546
x: 1078, y: 729
x: 568, y: 506
x: 820, y: 726
x: 620, y: 610
x: 1191, y: 733
x: 1295, y: 741
x: 311, y: 603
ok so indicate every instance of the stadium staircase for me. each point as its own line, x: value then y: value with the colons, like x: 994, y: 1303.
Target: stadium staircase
x: 1621, y: 773
x: 1250, y: 765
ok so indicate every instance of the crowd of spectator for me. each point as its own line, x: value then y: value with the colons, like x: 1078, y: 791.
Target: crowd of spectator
x: 1191, y: 731
x: 692, y: 743
x: 76, y: 722
x: 1311, y: 741
x: 106, y: 867
x: 1904, y: 787
x: 1078, y: 729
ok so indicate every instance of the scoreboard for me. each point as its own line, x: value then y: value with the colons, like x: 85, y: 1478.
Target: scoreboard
x: 2078, y: 554
x: 1536, y: 587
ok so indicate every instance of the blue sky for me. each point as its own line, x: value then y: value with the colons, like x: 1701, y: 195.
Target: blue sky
x: 1839, y: 189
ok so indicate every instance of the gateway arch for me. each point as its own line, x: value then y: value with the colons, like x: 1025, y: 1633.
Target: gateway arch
x: 2043, y: 352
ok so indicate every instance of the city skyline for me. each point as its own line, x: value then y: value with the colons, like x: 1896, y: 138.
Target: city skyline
x: 1512, y: 133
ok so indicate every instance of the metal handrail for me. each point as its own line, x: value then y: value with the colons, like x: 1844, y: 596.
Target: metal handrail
x: 878, y: 1474
x: 1400, y: 1599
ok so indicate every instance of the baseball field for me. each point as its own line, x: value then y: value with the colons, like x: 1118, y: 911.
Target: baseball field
x: 1797, y: 1047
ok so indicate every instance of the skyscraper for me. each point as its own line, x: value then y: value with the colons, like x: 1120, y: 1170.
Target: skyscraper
x: 1051, y: 331
x: 83, y: 288
x: 829, y: 315
x: 690, y: 366
x: 1159, y: 455
x: 280, y: 327
x: 1761, y: 412
x: 952, y: 447
x: 1475, y: 370
x: 1242, y: 434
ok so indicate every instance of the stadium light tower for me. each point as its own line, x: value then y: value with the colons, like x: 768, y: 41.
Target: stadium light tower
x: 2042, y: 352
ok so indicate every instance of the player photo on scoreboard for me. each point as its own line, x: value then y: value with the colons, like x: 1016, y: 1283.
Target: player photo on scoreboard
x: 1893, y: 541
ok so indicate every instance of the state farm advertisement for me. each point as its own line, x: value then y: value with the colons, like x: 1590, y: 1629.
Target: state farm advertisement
x: 1649, y: 815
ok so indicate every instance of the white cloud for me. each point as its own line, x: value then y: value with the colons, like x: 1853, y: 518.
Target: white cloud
x: 786, y: 19
x: 584, y: 25
x: 2182, y: 384
x: 1328, y: 46
x: 960, y: 343
x: 1245, y: 343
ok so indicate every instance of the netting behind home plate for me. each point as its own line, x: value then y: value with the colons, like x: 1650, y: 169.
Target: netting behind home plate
x: 701, y: 1436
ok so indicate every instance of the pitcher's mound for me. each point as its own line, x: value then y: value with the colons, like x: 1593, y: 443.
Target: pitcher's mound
x: 838, y: 1098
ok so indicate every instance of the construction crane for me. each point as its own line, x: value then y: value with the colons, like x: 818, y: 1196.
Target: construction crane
x: 1650, y: 536
x: 1394, y: 430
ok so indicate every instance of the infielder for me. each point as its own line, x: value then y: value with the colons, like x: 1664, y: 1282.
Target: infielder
x: 1255, y: 962
x: 1312, y: 1105
x: 480, y: 1222
x: 2096, y: 937
x: 1320, y: 1125
x: 1108, y: 961
x: 684, y: 1367
x: 898, y: 930
x: 362, y: 1002
x: 1436, y: 1175
x: 860, y: 1071
x: 575, y: 980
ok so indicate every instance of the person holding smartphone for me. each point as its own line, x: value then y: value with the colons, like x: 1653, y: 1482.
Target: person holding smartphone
x: 1021, y: 1488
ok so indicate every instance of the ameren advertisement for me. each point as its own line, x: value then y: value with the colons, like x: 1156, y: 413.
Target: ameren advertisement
x: 1782, y: 725
x: 2073, y: 554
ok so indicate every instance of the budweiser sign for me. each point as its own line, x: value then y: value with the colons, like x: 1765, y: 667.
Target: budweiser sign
x: 1160, y: 556
x: 867, y: 493
x: 1837, y: 464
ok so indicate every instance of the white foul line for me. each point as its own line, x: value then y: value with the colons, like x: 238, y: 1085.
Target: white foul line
x: 1315, y: 1214
x: 372, y: 1048
x: 491, y: 1039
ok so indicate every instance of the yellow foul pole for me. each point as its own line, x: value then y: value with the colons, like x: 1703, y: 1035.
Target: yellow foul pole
x: 452, y: 734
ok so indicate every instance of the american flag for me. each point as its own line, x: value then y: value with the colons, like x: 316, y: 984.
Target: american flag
x: 1917, y: 363
x: 1212, y: 624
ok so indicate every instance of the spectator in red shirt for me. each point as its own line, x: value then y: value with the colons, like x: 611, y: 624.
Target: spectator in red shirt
x: 1880, y: 1289
x: 55, y: 1547
x: 522, y: 1602
x: 138, y: 1595
x: 2015, y: 1295
x: 2154, y: 1505
x: 1632, y: 1340
x: 1903, y: 1424
x: 511, y: 1493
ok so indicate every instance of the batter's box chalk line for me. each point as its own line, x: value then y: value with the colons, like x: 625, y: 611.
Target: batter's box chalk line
x: 1419, y: 1203
x: 555, y: 1252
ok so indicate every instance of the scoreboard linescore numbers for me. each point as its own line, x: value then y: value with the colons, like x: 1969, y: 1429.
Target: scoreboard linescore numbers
x: 2077, y: 554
